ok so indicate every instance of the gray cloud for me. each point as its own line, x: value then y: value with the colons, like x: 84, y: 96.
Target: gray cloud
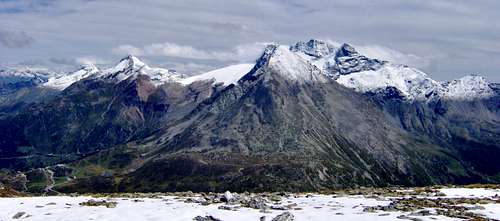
x: 12, y: 39
x: 447, y: 38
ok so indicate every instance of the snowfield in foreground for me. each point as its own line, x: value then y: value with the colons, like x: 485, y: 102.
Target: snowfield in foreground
x: 302, y: 206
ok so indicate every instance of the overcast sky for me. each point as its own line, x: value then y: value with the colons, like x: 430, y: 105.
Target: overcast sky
x: 446, y: 39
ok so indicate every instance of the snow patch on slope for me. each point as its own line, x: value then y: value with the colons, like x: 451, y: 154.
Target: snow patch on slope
x: 465, y: 88
x: 227, y: 75
x: 63, y: 81
x: 412, y: 83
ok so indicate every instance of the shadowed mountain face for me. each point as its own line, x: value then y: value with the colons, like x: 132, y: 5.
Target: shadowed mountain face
x: 92, y: 115
x: 287, y: 134
x: 470, y: 129
x: 273, y: 132
x: 286, y: 125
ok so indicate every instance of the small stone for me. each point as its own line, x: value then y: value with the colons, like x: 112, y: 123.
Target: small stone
x: 206, y: 218
x: 227, y: 197
x: 286, y: 216
x: 224, y: 207
x: 19, y: 215
x: 278, y: 207
x: 105, y: 203
x: 275, y: 198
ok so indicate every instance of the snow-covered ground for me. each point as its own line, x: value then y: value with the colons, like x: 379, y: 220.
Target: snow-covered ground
x: 470, y: 193
x: 168, y: 207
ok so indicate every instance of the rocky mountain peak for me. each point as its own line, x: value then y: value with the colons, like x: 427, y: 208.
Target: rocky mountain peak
x: 89, y: 68
x: 128, y: 63
x: 467, y: 87
x: 314, y: 47
x: 131, y: 66
x: 346, y: 50
x: 61, y: 82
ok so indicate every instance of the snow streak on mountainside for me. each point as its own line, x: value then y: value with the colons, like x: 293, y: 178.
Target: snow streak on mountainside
x: 227, y: 75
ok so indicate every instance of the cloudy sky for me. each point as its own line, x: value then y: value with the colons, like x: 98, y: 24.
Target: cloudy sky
x: 446, y: 39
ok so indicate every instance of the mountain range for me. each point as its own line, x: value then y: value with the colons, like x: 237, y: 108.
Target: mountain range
x: 311, y: 116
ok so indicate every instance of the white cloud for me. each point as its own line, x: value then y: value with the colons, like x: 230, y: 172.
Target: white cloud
x: 393, y: 56
x: 127, y: 49
x: 184, y: 51
x: 90, y: 60
x: 240, y: 53
x: 189, y: 68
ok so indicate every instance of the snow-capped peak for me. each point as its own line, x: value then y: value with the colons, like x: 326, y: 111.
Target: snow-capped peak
x: 314, y: 48
x: 63, y: 81
x: 282, y: 60
x: 467, y: 87
x: 125, y: 67
x: 346, y: 50
x: 354, y: 70
x: 131, y: 66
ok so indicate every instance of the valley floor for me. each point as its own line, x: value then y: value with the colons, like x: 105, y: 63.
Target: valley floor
x: 366, y: 204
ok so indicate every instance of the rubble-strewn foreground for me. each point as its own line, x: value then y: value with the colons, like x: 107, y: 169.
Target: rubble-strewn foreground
x: 361, y: 204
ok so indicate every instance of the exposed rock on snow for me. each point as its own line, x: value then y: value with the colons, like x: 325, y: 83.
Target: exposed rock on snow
x: 286, y: 216
x: 206, y: 218
x: 228, y: 196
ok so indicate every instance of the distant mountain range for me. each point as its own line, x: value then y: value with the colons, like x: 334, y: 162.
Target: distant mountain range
x: 310, y: 116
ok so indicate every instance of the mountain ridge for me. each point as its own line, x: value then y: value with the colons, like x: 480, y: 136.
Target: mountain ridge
x: 286, y: 123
